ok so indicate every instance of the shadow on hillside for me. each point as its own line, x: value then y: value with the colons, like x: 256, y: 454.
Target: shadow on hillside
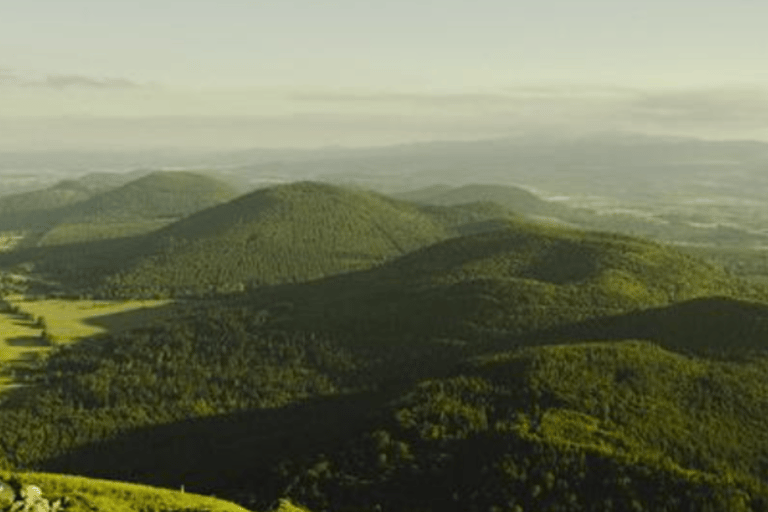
x: 527, y: 253
x: 229, y: 455
x: 27, y: 341
x: 80, y: 264
x: 140, y: 317
x: 713, y: 327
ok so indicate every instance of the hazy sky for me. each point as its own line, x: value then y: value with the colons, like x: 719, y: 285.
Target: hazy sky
x: 308, y: 72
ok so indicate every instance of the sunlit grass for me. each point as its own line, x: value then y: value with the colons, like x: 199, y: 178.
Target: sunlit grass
x: 108, y: 496
x: 65, y: 321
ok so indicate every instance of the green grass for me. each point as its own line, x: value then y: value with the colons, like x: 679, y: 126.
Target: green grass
x: 89, y: 494
x: 66, y: 321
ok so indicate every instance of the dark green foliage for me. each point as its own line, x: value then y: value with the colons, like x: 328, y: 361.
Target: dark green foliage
x: 507, y: 282
x: 42, y: 209
x: 72, y: 211
x: 529, y: 429
x: 282, y: 234
x: 209, y: 365
x: 398, y: 388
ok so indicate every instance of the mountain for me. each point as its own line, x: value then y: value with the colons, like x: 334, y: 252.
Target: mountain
x: 139, y: 206
x: 40, y: 209
x: 285, y: 233
x: 520, y: 278
x: 156, y: 195
x: 510, y: 197
x: 279, y: 234
x: 641, y: 222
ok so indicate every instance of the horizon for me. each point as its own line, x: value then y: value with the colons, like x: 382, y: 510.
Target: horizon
x: 223, y: 75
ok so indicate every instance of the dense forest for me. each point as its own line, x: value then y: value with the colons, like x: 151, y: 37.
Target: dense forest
x: 282, y: 234
x: 94, y: 209
x: 452, y: 358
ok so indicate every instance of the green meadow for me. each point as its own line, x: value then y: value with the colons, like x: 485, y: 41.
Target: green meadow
x: 24, y: 337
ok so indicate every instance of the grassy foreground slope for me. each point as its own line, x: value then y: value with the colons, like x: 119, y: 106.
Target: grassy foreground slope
x: 87, y: 494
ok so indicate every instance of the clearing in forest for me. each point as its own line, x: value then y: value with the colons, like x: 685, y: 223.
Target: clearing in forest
x: 64, y: 321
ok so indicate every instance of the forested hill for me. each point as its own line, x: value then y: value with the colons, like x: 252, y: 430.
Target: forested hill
x: 520, y: 201
x: 43, y: 208
x: 40, y: 209
x: 461, y: 375
x: 518, y: 279
x: 285, y: 233
x: 158, y: 195
x: 105, y: 206
x: 513, y: 198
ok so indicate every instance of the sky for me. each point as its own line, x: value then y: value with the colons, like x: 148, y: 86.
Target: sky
x: 249, y: 73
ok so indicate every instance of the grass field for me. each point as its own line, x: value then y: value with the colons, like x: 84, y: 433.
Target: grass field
x: 66, y: 321
x: 87, y: 494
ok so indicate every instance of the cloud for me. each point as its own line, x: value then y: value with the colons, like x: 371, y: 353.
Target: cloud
x: 63, y: 81
x: 747, y: 106
x: 689, y: 106
x: 409, y: 99
x: 508, y: 95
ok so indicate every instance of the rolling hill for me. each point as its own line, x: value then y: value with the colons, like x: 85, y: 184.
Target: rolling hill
x: 279, y: 234
x: 521, y: 278
x: 40, y: 209
x: 160, y: 195
x: 108, y: 205
x: 285, y: 233
x: 140, y: 206
x: 399, y: 385
x: 663, y: 228
x: 510, y: 197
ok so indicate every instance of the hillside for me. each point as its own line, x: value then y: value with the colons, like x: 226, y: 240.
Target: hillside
x: 88, y: 494
x: 517, y: 279
x: 108, y: 205
x: 40, y: 209
x: 648, y: 221
x: 622, y: 425
x: 157, y: 195
x: 510, y: 197
x: 532, y: 427
x: 140, y: 206
x: 285, y: 233
x: 280, y: 234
